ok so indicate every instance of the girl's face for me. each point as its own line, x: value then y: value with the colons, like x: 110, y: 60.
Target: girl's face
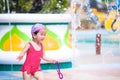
x: 40, y: 35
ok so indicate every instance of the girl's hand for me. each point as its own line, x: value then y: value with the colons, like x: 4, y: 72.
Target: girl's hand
x: 19, y: 58
x: 54, y: 61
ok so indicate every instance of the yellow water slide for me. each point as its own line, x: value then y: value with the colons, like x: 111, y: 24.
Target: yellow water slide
x: 112, y: 22
x: 101, y: 15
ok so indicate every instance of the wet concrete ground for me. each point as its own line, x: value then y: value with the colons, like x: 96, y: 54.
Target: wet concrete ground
x: 97, y: 67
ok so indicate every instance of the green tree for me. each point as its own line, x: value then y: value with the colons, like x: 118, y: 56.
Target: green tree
x: 54, y: 6
x: 1, y: 6
x: 21, y: 6
x: 34, y: 6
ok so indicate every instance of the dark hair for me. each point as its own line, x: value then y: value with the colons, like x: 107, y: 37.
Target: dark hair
x: 35, y: 33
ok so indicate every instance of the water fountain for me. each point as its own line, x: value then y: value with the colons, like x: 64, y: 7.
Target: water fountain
x: 84, y: 39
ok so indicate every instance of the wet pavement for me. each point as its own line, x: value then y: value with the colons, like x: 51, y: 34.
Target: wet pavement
x: 94, y: 67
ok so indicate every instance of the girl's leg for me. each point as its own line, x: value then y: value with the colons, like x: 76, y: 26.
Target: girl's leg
x: 26, y: 76
x: 38, y: 75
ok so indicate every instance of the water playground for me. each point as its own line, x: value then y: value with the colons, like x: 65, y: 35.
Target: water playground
x: 17, y: 33
x: 85, y: 41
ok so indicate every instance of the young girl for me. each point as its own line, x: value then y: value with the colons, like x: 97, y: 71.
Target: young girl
x: 34, y: 53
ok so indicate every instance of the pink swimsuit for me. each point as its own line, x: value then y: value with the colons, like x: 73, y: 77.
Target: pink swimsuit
x: 33, y: 59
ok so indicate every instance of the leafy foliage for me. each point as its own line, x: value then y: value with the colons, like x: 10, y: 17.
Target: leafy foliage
x: 55, y: 6
x: 34, y: 6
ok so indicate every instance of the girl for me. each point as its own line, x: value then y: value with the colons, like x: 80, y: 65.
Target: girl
x: 35, y: 52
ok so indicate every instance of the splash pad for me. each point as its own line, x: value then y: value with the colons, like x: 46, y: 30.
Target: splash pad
x: 14, y: 36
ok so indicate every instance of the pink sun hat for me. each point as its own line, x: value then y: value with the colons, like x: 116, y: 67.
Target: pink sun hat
x: 37, y: 27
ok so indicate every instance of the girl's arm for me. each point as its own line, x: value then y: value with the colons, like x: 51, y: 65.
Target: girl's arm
x: 48, y: 59
x: 25, y: 49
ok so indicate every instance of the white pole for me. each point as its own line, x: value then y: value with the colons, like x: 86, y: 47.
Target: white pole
x: 9, y: 24
x: 8, y: 8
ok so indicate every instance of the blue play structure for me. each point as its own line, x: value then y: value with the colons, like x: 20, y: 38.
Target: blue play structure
x: 115, y: 6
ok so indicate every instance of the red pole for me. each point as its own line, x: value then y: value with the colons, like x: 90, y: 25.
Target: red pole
x: 98, y: 44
